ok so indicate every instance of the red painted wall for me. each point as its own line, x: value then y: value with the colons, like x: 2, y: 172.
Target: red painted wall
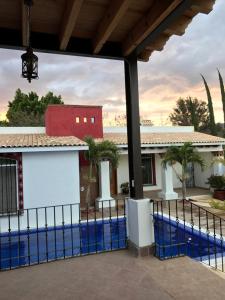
x: 60, y: 120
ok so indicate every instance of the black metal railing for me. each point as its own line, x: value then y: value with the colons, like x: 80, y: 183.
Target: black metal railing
x: 184, y: 228
x: 43, y: 234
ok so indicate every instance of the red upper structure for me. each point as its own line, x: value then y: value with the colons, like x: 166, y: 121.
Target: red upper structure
x: 74, y: 120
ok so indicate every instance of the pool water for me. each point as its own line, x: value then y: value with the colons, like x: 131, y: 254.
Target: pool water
x: 177, y: 239
x: 32, y: 247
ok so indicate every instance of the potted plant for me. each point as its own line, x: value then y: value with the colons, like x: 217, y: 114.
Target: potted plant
x: 124, y: 188
x: 217, y: 182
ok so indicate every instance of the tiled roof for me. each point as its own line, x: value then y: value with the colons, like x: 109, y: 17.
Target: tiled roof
x: 37, y: 140
x: 42, y: 140
x: 167, y: 138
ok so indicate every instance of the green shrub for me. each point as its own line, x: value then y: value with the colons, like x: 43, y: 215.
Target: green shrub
x: 217, y: 182
x: 217, y: 204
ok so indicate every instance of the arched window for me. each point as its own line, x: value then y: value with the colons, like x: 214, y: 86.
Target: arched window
x: 8, y: 185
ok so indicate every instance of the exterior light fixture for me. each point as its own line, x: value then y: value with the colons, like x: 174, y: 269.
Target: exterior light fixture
x: 29, y: 59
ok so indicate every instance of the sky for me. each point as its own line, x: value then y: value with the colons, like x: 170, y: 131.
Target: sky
x: 169, y: 74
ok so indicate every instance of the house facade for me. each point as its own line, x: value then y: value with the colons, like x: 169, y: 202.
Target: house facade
x: 46, y: 166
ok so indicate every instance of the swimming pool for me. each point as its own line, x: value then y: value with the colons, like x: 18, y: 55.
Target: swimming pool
x: 30, y: 247
x: 176, y: 238
x: 172, y: 239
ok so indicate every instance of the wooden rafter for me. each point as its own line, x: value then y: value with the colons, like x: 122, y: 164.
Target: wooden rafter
x: 111, y: 19
x: 144, y: 56
x: 203, y: 6
x: 69, y: 20
x: 159, y: 43
x: 24, y: 21
x: 178, y: 27
x: 159, y: 11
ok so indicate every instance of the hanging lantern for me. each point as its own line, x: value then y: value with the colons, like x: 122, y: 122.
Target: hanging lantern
x: 29, y: 65
x: 29, y: 59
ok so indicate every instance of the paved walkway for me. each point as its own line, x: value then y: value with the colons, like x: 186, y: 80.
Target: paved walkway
x: 115, y: 275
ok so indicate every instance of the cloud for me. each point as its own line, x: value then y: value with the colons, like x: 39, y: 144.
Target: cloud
x: 170, y: 74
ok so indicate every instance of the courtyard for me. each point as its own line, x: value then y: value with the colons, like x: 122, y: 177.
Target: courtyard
x: 116, y: 275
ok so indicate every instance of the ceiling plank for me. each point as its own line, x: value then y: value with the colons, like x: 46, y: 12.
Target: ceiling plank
x: 24, y: 24
x: 113, y: 15
x: 70, y: 16
x: 158, y: 12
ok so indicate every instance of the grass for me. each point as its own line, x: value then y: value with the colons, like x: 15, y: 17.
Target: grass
x: 217, y: 204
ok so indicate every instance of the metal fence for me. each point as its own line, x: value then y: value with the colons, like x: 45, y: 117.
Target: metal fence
x: 43, y: 234
x: 184, y: 228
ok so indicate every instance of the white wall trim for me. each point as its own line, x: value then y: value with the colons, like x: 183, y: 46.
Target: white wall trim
x: 117, y: 129
x: 43, y: 149
x: 21, y: 130
x: 162, y: 149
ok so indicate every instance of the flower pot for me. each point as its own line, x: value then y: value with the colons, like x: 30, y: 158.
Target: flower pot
x: 219, y: 194
x: 125, y: 191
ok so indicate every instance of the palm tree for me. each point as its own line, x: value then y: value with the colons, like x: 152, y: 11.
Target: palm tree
x: 104, y: 150
x: 183, y: 155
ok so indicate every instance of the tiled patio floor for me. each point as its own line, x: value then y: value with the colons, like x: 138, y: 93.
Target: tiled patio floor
x: 154, y: 194
x: 115, y: 275
x: 190, y: 192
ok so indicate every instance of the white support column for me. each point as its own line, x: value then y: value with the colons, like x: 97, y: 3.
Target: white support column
x: 167, y: 192
x: 105, y: 199
x: 140, y: 226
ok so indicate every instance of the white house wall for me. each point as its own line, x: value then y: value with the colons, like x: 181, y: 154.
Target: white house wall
x: 122, y: 171
x: 202, y: 176
x: 123, y: 174
x: 176, y: 181
x: 49, y: 179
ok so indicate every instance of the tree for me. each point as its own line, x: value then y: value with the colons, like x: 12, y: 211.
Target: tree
x: 183, y: 155
x: 190, y: 112
x: 212, y: 124
x: 28, y: 110
x: 121, y: 121
x: 4, y: 123
x: 105, y: 150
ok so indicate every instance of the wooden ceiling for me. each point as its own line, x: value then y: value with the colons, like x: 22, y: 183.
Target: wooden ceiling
x: 101, y: 28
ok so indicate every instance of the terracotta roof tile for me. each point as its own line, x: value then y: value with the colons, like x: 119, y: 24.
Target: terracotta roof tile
x: 38, y: 140
x: 167, y: 138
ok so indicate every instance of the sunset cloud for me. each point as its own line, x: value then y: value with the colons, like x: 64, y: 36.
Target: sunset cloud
x: 170, y: 74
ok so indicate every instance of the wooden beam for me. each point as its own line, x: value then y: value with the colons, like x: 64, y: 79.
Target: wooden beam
x: 158, y: 12
x: 179, y: 26
x: 158, y: 43
x: 203, y: 6
x: 24, y: 21
x: 133, y: 128
x: 69, y: 20
x: 111, y: 19
x: 144, y: 56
